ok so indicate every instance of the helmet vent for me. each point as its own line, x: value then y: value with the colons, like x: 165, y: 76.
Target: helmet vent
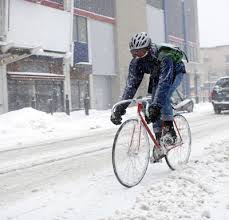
x: 139, y: 40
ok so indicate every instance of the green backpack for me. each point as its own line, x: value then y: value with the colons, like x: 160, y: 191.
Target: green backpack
x: 170, y: 50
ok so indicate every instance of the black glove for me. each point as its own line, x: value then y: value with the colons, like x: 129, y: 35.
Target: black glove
x: 154, y: 113
x: 116, y: 117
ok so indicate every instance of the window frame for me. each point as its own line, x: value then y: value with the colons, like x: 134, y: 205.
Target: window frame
x: 76, y: 29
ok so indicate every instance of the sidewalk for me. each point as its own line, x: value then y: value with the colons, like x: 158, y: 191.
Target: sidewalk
x: 28, y: 127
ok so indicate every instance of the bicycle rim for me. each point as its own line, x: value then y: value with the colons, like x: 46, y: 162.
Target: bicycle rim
x: 130, y: 153
x: 179, y: 155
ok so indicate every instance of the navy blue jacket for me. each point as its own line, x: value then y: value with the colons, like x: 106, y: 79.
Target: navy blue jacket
x: 162, y: 74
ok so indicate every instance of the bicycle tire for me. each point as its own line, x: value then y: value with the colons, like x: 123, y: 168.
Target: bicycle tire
x: 131, y: 148
x: 178, y: 156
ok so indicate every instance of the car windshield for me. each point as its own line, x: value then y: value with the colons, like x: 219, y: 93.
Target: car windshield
x: 223, y: 82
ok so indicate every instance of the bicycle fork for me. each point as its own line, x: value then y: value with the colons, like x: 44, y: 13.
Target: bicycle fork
x: 133, y: 148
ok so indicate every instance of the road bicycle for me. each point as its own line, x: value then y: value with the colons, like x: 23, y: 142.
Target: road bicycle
x: 135, y: 144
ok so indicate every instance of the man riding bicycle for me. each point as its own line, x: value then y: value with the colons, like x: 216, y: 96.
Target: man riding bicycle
x: 166, y: 68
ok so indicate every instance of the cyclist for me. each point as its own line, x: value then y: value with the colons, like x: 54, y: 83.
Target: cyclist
x: 166, y: 69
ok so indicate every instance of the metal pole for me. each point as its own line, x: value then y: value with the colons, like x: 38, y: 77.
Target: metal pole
x: 67, y: 110
x: 184, y: 27
x: 196, y: 87
x: 185, y: 83
x: 165, y: 7
x: 86, y: 104
x: 50, y: 105
x: 209, y: 87
x: 33, y: 103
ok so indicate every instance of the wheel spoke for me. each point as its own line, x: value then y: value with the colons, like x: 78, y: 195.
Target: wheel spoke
x: 179, y: 155
x: 130, y: 154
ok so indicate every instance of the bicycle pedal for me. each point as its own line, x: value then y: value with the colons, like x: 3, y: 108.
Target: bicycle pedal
x: 153, y: 160
x: 156, y: 159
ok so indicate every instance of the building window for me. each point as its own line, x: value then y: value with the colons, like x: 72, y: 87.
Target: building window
x: 227, y: 59
x: 156, y: 3
x: 21, y: 92
x: 80, y: 38
x: 80, y: 29
x: 102, y: 7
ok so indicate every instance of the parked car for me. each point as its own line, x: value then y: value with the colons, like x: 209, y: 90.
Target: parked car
x: 180, y: 103
x: 220, y: 95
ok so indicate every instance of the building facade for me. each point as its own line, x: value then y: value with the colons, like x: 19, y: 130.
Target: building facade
x: 181, y: 27
x: 34, y: 54
x: 50, y: 49
x: 167, y: 21
x: 215, y: 64
x: 99, y: 46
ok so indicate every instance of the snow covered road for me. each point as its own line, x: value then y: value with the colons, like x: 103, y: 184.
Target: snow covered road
x: 29, y: 156
x: 73, y: 179
x: 185, y: 194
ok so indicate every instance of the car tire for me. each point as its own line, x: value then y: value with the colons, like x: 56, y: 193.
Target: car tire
x: 217, y: 110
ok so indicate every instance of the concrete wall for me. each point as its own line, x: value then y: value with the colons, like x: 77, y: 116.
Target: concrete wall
x: 102, y: 58
x: 3, y: 19
x: 102, y: 92
x: 35, y: 24
x: 102, y: 50
x: 155, y: 24
x: 3, y: 76
x: 214, y: 62
x: 127, y: 24
x: 3, y: 90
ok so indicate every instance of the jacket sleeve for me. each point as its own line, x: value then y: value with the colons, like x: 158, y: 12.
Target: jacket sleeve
x: 134, y: 79
x: 165, y: 81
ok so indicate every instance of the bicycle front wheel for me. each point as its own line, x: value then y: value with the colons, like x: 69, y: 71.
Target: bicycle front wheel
x: 130, y: 153
x: 179, y: 155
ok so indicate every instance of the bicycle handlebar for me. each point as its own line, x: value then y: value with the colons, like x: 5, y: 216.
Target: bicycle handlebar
x: 132, y: 101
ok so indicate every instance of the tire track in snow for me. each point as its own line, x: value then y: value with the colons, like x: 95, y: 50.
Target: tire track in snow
x: 186, y: 193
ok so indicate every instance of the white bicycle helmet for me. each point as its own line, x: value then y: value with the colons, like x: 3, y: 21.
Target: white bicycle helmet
x: 139, y: 41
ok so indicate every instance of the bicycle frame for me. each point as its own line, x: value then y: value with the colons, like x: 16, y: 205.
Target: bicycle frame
x: 139, y: 110
x: 139, y: 103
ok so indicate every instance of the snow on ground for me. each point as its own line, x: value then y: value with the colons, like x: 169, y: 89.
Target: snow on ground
x: 199, y: 191
x: 28, y: 126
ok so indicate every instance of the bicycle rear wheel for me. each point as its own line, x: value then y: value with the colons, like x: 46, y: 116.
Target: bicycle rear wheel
x: 130, y: 153
x: 179, y: 155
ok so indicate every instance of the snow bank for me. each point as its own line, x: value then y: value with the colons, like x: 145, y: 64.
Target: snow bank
x: 28, y: 126
x: 189, y: 193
